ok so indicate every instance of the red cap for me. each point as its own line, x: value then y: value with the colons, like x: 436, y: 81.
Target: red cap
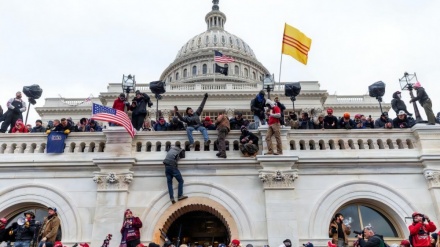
x: 236, y: 242
x: 405, y: 242
x: 415, y: 214
x: 84, y: 245
x: 330, y: 111
x: 346, y: 115
x: 207, y: 119
x: 58, y: 244
x: 128, y: 211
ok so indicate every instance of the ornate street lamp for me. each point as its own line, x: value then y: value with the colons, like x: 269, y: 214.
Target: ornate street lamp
x: 128, y: 84
x: 268, y: 84
x: 406, y: 83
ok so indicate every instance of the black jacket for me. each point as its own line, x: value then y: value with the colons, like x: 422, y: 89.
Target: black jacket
x: 249, y: 136
x: 329, y: 120
x: 23, y: 233
x: 258, y: 108
x: 422, y: 96
x: 374, y: 241
x: 397, y: 104
x: 194, y: 119
x: 140, y: 107
x: 236, y: 123
x: 38, y: 129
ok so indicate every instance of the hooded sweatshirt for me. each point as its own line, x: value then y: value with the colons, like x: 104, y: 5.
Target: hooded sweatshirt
x: 397, y: 104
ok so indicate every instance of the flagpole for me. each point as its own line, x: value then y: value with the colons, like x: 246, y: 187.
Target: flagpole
x: 279, y: 77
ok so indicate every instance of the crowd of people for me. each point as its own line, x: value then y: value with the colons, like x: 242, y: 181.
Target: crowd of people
x: 265, y: 112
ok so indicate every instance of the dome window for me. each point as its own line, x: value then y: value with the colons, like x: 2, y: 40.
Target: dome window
x: 194, y: 70
x: 236, y: 70
x: 199, y: 42
x: 246, y: 72
x: 177, y: 76
x: 230, y: 41
x: 238, y: 44
x: 223, y: 39
x: 170, y: 79
x: 215, y: 39
x: 205, y: 69
x: 244, y: 47
x: 185, y: 73
x: 254, y: 76
x: 206, y: 40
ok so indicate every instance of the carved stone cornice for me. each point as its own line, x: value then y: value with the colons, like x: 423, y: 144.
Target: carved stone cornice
x: 433, y: 178
x: 278, y: 179
x: 113, y: 181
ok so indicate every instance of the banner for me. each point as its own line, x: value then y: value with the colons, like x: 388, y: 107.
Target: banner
x: 55, y: 142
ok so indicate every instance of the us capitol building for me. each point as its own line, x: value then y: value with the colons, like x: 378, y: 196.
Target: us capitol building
x: 374, y: 176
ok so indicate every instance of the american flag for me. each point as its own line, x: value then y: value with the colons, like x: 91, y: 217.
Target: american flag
x: 103, y: 113
x: 220, y: 58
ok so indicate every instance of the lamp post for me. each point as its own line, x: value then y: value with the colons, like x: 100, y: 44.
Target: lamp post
x: 128, y: 84
x: 406, y: 83
x: 377, y: 90
x: 292, y: 90
x: 268, y: 84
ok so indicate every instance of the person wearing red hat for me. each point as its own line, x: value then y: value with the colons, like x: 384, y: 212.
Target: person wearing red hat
x: 419, y: 232
x: 208, y: 124
x: 274, y: 115
x: 424, y: 101
x: 330, y: 121
x: 19, y: 127
x: 235, y: 243
x: 3, y: 234
x: 131, y: 236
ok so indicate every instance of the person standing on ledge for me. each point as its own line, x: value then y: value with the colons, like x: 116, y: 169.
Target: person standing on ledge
x: 274, y: 115
x: 16, y: 107
x: 424, y: 101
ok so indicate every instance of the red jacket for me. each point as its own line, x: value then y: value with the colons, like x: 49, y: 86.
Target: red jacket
x: 136, y: 224
x: 23, y: 129
x: 424, y: 239
x: 119, y: 104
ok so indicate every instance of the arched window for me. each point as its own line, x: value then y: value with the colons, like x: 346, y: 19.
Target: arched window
x: 236, y: 70
x: 363, y: 215
x: 185, y: 73
x: 246, y: 72
x: 205, y: 69
x: 215, y: 39
x: 177, y: 76
x: 223, y: 40
x: 170, y: 78
x: 254, y: 76
x: 194, y: 70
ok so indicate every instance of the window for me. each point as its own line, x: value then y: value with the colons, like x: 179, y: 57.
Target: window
x: 363, y: 215
x: 177, y: 76
x: 236, y: 71
x: 223, y: 39
x: 207, y: 39
x: 254, y: 76
x: 194, y: 70
x: 205, y: 69
x: 185, y: 73
x: 170, y: 79
x: 246, y: 72
x: 215, y: 39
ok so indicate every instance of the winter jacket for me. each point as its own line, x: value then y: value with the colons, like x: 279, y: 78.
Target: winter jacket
x: 49, y: 228
x: 119, y: 104
x: 318, y: 125
x: 258, y: 107
x: 237, y: 123
x: 140, y: 107
x: 194, y: 119
x: 397, y: 104
x: 282, y: 108
x: 249, y: 136
x: 160, y: 127
x: 401, y: 123
x: 176, y: 126
x: 380, y: 122
x: 422, y: 96
x: 22, y: 129
x: 97, y: 128
x: 23, y: 233
x: 329, y: 121
x: 334, y: 235
x: 420, y: 233
x: 136, y: 224
x: 374, y: 241
x: 347, y: 125
x: 172, y: 157
x: 38, y: 129
x: 306, y: 124
x: 223, y: 123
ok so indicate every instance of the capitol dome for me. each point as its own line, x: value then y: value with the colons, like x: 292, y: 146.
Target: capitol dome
x: 195, y: 60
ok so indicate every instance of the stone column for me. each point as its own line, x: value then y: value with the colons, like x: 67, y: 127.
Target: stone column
x: 278, y: 176
x: 113, y: 180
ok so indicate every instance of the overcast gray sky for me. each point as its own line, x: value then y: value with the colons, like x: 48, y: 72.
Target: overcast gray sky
x: 76, y: 47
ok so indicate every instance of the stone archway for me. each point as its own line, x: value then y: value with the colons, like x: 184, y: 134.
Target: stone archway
x: 195, y: 204
x: 15, y: 198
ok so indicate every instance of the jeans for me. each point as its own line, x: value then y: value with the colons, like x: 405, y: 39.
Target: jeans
x: 259, y: 121
x: 173, y: 172
x: 341, y: 242
x: 202, y: 129
x: 22, y: 243
x: 48, y: 244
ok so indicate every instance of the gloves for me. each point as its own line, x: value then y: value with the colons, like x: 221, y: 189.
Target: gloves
x: 11, y: 232
x: 67, y: 132
x: 48, y: 132
x: 206, y: 95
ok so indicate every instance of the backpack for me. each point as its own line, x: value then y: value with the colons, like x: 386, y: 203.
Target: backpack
x: 252, y: 103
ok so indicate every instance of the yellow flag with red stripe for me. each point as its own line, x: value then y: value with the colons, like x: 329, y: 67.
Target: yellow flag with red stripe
x: 296, y: 44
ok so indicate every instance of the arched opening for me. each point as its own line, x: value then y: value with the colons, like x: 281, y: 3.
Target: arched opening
x: 363, y: 214
x: 199, y: 227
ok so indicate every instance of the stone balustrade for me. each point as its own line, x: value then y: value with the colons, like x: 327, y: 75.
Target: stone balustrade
x: 295, y: 142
